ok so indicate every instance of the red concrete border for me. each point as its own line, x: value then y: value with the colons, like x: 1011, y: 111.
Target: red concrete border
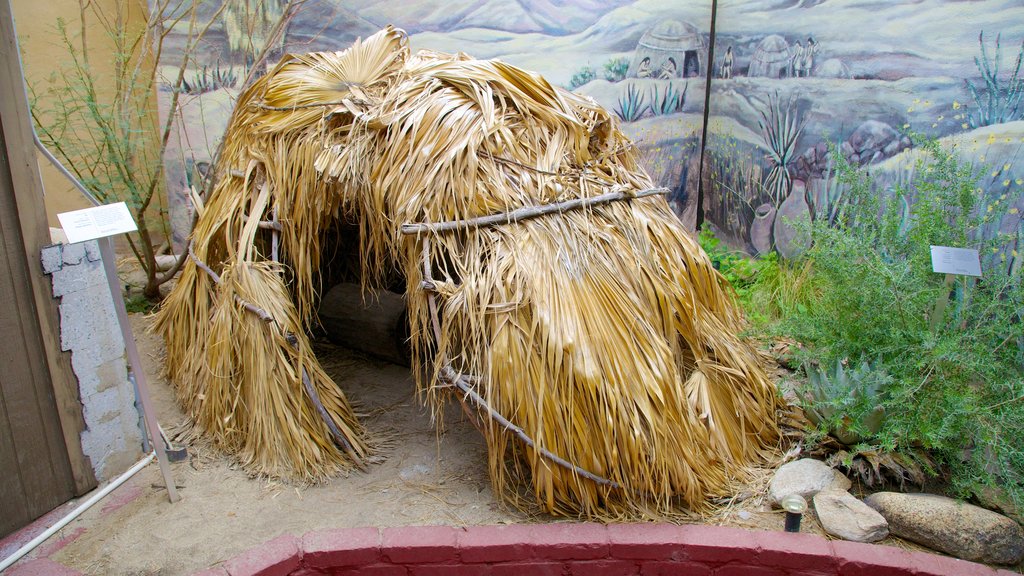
x: 582, y: 549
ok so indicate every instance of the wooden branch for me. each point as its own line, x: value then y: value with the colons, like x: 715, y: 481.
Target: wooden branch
x: 447, y: 373
x: 465, y: 383
x: 324, y: 415
x: 528, y: 212
x: 294, y: 342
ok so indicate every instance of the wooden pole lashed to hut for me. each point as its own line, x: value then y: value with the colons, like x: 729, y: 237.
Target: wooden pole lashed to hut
x: 550, y: 287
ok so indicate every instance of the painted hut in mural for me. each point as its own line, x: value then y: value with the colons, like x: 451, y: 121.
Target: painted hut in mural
x: 672, y: 49
x: 771, y: 58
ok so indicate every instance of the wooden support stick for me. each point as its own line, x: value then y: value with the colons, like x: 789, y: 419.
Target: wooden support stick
x: 466, y: 383
x: 528, y: 212
x: 135, y: 362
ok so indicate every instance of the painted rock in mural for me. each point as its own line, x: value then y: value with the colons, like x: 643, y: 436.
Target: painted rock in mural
x: 953, y: 527
x: 790, y: 242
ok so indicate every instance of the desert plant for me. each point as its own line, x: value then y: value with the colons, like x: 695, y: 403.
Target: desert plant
x: 833, y: 392
x: 208, y: 79
x: 996, y: 100
x: 615, y: 69
x: 581, y: 77
x: 780, y: 128
x: 632, y: 105
x: 669, y: 101
x: 250, y: 27
x: 106, y: 130
x: 874, y: 293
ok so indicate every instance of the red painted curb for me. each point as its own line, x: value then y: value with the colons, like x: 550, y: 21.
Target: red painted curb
x: 585, y: 550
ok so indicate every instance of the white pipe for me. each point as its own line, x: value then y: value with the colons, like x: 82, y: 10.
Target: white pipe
x: 7, y: 562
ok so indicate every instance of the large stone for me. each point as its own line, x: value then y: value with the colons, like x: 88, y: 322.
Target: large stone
x: 805, y: 477
x: 844, y: 516
x: 958, y: 529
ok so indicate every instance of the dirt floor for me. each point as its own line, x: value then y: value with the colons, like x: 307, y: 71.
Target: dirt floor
x: 422, y: 477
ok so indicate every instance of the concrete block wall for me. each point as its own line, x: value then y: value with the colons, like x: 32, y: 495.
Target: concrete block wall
x: 88, y: 324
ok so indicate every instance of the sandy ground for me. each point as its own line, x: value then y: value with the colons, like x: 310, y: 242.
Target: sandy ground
x: 422, y: 478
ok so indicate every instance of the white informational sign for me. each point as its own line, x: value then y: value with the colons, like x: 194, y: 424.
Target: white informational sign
x: 963, y: 261
x: 98, y: 222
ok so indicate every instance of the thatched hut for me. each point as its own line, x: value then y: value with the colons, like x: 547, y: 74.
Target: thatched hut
x: 550, y: 287
x: 771, y: 58
x: 672, y: 49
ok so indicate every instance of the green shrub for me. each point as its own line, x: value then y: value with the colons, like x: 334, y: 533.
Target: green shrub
x: 581, y: 77
x: 953, y: 387
x: 615, y: 69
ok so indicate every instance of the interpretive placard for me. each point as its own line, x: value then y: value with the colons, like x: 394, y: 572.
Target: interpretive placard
x: 98, y: 222
x: 963, y: 261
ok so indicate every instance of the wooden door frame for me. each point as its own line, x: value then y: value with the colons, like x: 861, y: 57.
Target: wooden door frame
x: 35, y: 232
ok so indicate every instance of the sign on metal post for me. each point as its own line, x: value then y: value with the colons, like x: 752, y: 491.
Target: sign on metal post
x: 102, y: 223
x: 951, y: 262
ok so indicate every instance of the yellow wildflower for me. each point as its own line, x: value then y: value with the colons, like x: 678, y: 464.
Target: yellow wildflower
x: 956, y: 105
x: 991, y: 139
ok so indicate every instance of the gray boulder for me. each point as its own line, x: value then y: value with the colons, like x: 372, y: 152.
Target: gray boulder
x: 805, y: 477
x: 844, y: 516
x: 958, y: 529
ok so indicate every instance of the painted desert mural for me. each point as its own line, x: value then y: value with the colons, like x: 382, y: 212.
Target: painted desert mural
x: 789, y: 83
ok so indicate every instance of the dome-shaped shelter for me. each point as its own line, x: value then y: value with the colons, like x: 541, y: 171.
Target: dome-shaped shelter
x: 771, y: 58
x: 550, y: 288
x: 672, y: 49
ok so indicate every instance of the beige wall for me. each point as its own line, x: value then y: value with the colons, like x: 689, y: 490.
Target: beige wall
x: 42, y: 52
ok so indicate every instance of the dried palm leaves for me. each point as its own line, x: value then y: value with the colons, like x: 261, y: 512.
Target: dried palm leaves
x: 601, y: 335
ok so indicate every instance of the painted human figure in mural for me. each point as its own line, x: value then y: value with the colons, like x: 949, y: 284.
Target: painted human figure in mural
x: 668, y: 70
x: 727, y: 63
x: 808, y: 64
x: 796, y: 63
x: 644, y: 69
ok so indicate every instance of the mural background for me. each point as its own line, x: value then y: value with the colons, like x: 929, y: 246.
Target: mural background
x: 857, y: 74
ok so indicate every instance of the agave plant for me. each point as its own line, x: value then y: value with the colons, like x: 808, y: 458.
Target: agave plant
x: 997, y: 101
x: 780, y: 129
x: 832, y: 396
x: 671, y: 101
x: 632, y: 105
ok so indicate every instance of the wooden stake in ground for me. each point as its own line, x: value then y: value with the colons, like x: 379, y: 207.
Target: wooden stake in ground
x: 593, y: 337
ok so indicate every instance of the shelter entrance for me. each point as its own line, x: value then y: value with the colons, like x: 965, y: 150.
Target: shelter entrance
x: 691, y: 64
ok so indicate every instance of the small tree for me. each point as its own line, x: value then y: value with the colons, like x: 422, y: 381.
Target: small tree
x: 107, y: 130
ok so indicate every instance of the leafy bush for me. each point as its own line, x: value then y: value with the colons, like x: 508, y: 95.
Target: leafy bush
x: 615, y: 69
x: 948, y: 384
x: 581, y: 77
x: 738, y: 268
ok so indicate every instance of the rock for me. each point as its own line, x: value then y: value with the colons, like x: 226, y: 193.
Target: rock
x: 805, y: 477
x: 958, y: 529
x: 844, y: 516
x: 871, y: 142
x: 833, y: 68
x: 997, y: 500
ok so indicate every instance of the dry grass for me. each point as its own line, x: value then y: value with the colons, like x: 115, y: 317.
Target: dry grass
x: 604, y: 333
